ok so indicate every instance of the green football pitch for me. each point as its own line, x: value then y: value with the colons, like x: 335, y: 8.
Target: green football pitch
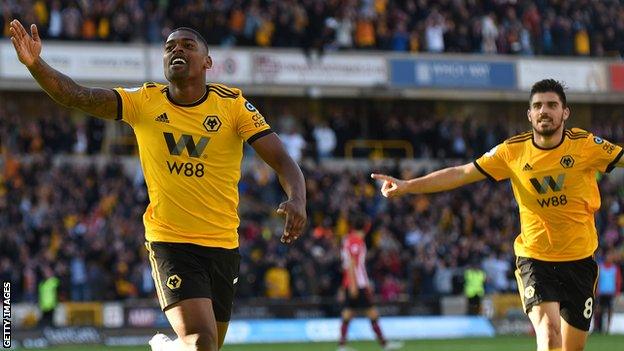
x: 507, y: 343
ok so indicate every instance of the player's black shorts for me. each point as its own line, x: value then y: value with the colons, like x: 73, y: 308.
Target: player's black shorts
x: 185, y: 271
x: 361, y: 301
x: 571, y: 283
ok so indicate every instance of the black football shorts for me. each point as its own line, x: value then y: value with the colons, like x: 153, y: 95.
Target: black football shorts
x: 571, y: 283
x: 363, y: 300
x: 185, y: 271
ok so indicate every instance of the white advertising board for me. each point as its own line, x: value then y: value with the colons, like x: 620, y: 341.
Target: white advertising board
x: 581, y: 76
x: 97, y: 62
x: 291, y: 68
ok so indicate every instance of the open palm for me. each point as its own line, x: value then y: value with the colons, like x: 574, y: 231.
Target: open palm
x: 27, y: 47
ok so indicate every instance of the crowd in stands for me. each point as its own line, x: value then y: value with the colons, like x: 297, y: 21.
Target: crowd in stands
x: 527, y: 27
x: 84, y: 222
x: 55, y: 132
x: 432, y: 137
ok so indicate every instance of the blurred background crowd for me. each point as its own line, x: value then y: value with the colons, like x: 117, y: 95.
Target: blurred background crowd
x: 527, y: 27
x: 81, y: 222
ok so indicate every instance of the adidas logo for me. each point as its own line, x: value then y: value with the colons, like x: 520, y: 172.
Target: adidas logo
x: 527, y: 167
x: 162, y: 118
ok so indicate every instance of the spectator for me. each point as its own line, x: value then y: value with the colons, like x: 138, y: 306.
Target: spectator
x: 609, y: 287
x: 344, y: 29
x: 489, y: 33
x: 48, y: 296
x: 434, y: 31
x: 364, y: 32
x: 78, y: 269
x: 325, y: 138
x: 443, y: 279
x: 277, y: 281
x: 294, y: 143
x: 496, y: 270
x: 474, y: 287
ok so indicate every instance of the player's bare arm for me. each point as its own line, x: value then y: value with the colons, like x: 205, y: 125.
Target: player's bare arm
x: 94, y: 101
x: 272, y: 151
x: 442, y: 180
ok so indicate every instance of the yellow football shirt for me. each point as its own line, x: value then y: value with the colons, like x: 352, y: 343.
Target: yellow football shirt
x: 556, y: 191
x: 191, y: 157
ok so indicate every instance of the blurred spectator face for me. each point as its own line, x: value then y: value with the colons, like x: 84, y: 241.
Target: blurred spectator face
x: 185, y: 56
x: 547, y: 113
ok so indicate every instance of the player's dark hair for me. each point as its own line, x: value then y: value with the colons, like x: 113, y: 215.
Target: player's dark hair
x: 199, y: 36
x: 549, y: 85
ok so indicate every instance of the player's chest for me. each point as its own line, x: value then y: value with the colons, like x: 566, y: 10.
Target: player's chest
x: 176, y: 128
x: 551, y: 173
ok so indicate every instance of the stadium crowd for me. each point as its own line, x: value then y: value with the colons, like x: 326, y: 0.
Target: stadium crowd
x: 84, y: 222
x: 547, y: 27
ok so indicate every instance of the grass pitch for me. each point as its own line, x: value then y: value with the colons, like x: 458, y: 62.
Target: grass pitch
x: 507, y: 343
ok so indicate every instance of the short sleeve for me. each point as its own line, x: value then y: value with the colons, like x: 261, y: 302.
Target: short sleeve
x: 601, y: 154
x: 250, y: 124
x: 129, y: 102
x: 493, y: 164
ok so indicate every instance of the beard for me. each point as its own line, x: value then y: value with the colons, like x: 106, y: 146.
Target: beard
x: 550, y: 130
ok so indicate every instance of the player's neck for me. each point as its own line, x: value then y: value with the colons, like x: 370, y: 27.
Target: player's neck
x: 548, y: 141
x: 186, y: 94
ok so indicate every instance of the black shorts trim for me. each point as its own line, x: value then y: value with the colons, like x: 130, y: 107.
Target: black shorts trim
x: 156, y: 276
x: 185, y: 271
x: 571, y: 283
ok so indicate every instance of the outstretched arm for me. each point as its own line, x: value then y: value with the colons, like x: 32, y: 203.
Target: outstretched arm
x: 444, y: 179
x: 272, y: 151
x: 94, y: 101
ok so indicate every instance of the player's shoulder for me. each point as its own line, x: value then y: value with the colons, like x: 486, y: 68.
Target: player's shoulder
x: 153, y: 86
x: 577, y: 134
x: 579, y: 138
x: 144, y: 88
x: 223, y: 91
x: 148, y: 89
x: 145, y: 92
x: 519, y: 139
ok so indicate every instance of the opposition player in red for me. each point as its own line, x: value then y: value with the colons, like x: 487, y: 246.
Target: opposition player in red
x: 356, y: 291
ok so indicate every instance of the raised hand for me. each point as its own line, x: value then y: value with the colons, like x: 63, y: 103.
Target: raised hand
x: 391, y: 186
x: 28, y: 47
x: 295, y: 213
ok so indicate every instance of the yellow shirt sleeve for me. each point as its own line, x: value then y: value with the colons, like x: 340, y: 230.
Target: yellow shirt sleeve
x: 602, y: 154
x: 250, y: 124
x: 493, y: 163
x: 131, y: 100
